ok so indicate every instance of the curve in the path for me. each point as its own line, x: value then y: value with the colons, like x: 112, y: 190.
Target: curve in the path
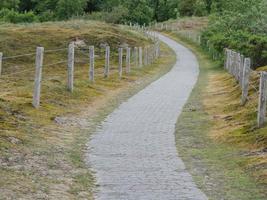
x: 133, y: 153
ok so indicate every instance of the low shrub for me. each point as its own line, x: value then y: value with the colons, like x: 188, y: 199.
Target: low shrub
x: 13, y: 16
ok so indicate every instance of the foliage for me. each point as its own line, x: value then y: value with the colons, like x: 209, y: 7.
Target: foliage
x: 9, y: 4
x: 165, y: 9
x: 117, y: 15
x: 13, y: 16
x: 200, y: 8
x: 140, y: 11
x: 239, y: 25
x: 68, y: 8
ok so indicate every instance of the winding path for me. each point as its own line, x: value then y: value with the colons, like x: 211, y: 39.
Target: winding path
x: 133, y: 153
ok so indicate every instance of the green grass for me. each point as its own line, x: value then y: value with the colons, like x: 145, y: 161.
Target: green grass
x: 39, y: 157
x: 215, y: 149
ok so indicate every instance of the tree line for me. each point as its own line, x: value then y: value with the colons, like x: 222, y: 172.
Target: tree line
x: 237, y: 24
x: 115, y: 11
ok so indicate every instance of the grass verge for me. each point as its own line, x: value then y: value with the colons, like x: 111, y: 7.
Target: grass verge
x: 217, y: 138
x: 42, y: 151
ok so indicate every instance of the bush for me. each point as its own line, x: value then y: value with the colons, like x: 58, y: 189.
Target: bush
x: 249, y: 44
x: 200, y: 8
x: 15, y: 17
x: 99, y: 16
x: 69, y: 8
x: 118, y: 15
x: 47, y: 16
x: 243, y: 30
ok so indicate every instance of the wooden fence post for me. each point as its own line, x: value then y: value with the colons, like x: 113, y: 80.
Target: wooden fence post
x: 159, y: 50
x: 128, y: 60
x: 1, y: 60
x: 149, y: 57
x: 225, y: 58
x: 71, y: 66
x: 140, y: 57
x: 136, y: 56
x: 232, y: 62
x: 241, y: 69
x: 237, y: 66
x: 245, y: 81
x: 262, y: 99
x: 145, y: 56
x: 229, y: 60
x: 107, y: 62
x: 120, y: 61
x: 38, y: 76
x: 92, y: 64
x: 153, y: 50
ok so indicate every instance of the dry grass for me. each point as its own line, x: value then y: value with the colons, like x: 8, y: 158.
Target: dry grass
x: 41, y: 151
x: 235, y: 124
x: 219, y: 140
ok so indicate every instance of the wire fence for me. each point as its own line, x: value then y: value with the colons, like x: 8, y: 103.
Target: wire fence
x: 27, y: 72
x: 253, y: 84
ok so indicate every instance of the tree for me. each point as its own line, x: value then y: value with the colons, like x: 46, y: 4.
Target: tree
x: 27, y: 5
x: 186, y: 7
x: 9, y: 4
x: 200, y: 8
x: 140, y: 11
x: 68, y: 8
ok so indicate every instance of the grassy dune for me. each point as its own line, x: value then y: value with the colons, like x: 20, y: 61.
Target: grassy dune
x: 42, y: 151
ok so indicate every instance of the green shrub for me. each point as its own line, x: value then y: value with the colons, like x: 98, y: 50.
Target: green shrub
x: 200, y: 8
x: 118, y: 15
x: 69, y: 8
x: 13, y: 16
x: 249, y: 44
x: 241, y: 28
x: 99, y: 16
x: 47, y: 16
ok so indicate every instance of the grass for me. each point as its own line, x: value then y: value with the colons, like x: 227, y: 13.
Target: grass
x: 218, y: 139
x: 42, y: 151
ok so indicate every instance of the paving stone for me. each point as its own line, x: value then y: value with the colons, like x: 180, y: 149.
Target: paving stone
x: 133, y: 153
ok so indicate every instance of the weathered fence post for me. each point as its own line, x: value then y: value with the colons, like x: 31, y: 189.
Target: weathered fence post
x: 140, y: 57
x: 245, y: 81
x: 128, y: 60
x: 70, y: 66
x: 120, y: 61
x: 232, y: 62
x: 149, y: 55
x: 107, y: 62
x: 241, y: 69
x: 262, y: 99
x: 199, y: 39
x: 237, y: 66
x: 229, y: 60
x: 92, y: 64
x: 157, y: 50
x: 225, y: 58
x: 1, y: 58
x: 146, y: 56
x: 38, y: 76
x: 136, y: 56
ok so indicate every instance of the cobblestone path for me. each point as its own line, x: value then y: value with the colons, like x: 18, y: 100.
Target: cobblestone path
x: 133, y: 153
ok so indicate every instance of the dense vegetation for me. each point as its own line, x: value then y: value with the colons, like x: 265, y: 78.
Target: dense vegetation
x: 116, y: 11
x: 240, y: 25
x: 236, y: 24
